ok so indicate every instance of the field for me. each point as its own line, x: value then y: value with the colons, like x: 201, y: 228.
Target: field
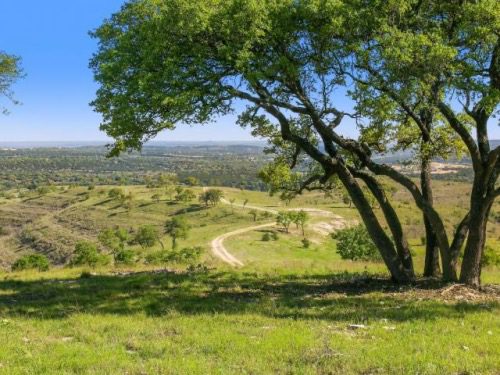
x: 287, y: 310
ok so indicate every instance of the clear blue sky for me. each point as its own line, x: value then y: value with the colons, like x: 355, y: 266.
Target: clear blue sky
x: 52, y: 38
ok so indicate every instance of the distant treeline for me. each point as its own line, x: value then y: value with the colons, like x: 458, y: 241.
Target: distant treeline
x: 218, y: 165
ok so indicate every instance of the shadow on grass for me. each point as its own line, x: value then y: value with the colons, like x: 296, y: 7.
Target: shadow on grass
x: 348, y: 298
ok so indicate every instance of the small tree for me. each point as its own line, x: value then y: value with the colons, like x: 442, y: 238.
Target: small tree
x: 192, y: 181
x: 245, y: 202
x: 300, y: 219
x: 116, y: 194
x: 186, y: 195
x: 285, y: 219
x: 114, y: 240
x: 231, y: 201
x: 86, y: 254
x: 254, y: 213
x: 177, y: 228
x: 211, y: 197
x: 147, y: 236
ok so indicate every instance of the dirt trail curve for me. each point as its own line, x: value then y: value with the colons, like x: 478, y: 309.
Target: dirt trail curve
x: 220, y: 251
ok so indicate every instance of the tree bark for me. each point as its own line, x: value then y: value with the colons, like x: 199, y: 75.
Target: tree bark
x: 431, y: 266
x: 471, y: 265
x: 377, y: 233
x: 392, y: 219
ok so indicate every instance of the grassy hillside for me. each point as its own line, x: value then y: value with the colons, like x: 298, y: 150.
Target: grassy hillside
x: 288, y: 310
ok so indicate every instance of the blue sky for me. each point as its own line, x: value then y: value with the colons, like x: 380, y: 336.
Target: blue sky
x: 52, y: 38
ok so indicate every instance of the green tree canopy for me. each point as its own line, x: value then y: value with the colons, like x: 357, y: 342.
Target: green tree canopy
x: 425, y: 72
x: 10, y: 72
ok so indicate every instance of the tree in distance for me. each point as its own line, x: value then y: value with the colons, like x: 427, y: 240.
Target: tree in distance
x: 177, y: 228
x: 192, y: 181
x: 147, y: 236
x: 116, y: 194
x: 254, y: 214
x: 211, y: 197
x: 285, y: 219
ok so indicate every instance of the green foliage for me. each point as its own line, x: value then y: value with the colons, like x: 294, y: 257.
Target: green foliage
x: 306, y: 243
x: 43, y: 190
x: 177, y: 228
x: 355, y: 244
x: 87, y: 254
x: 185, y: 195
x: 113, y: 239
x: 491, y: 257
x: 300, y: 218
x: 116, y: 193
x: 192, y: 181
x: 30, y: 262
x: 266, y: 237
x: 189, y: 255
x: 285, y: 219
x: 147, y: 236
x: 211, y: 197
x: 10, y: 72
x: 125, y: 256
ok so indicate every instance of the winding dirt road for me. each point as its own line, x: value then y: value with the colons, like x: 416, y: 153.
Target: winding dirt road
x: 220, y: 251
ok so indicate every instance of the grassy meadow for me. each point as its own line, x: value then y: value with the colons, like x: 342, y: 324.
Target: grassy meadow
x: 288, y: 310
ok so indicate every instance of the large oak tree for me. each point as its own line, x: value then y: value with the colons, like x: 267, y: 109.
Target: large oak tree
x: 162, y: 63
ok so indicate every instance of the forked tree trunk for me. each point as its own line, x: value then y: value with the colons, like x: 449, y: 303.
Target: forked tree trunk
x: 392, y: 219
x: 377, y: 233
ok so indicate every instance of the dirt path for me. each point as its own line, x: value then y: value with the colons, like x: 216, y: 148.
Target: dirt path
x: 220, y: 251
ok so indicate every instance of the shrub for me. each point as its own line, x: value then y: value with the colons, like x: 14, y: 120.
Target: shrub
x: 30, y: 262
x: 125, y: 256
x: 86, y: 254
x: 147, y: 236
x: 491, y: 257
x: 187, y: 255
x: 266, y: 237
x: 355, y: 244
x: 275, y: 236
x: 306, y: 243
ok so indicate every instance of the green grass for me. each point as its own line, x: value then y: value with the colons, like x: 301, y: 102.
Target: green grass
x: 287, y: 311
x: 237, y: 322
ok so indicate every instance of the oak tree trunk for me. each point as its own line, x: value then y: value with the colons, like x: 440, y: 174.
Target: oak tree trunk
x: 431, y: 265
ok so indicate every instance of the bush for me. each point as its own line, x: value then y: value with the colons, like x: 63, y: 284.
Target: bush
x: 491, y: 257
x: 266, y: 237
x: 355, y: 244
x: 187, y: 255
x: 31, y: 262
x: 125, y: 256
x: 275, y: 236
x: 86, y: 254
x: 147, y: 236
x: 306, y: 243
